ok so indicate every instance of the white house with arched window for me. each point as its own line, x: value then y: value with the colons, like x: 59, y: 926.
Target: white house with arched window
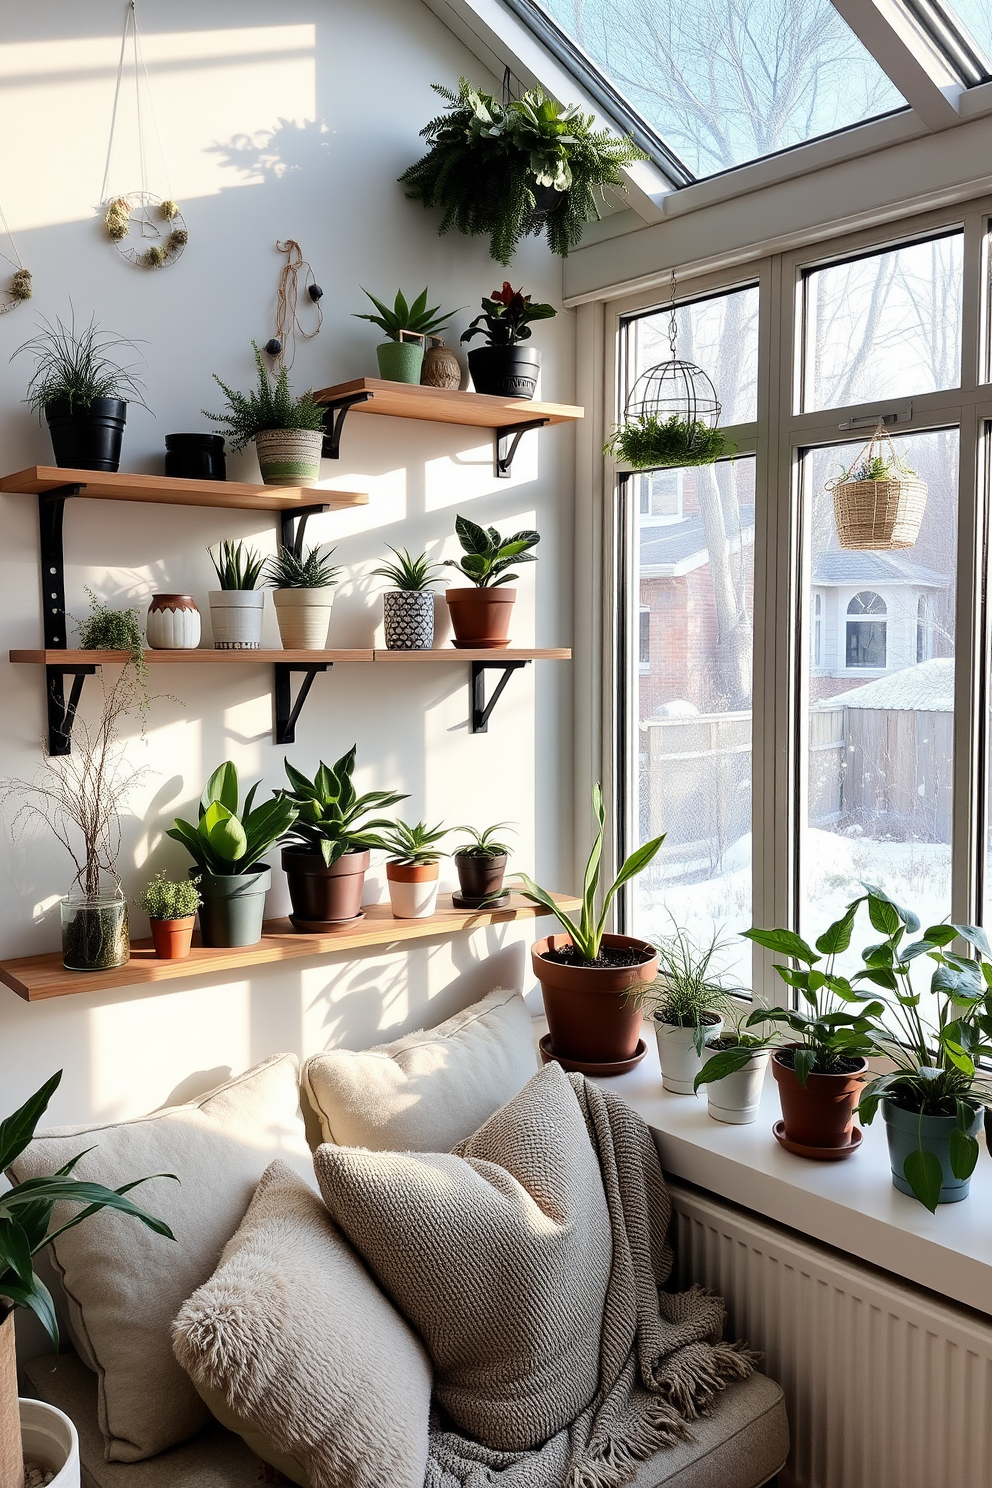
x: 871, y: 613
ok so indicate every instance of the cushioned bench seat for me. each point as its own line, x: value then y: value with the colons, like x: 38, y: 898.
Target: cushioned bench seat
x: 743, y: 1444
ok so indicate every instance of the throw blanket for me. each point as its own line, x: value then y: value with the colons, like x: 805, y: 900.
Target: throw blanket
x: 662, y: 1359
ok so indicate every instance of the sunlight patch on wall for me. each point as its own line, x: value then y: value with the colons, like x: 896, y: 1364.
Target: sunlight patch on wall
x: 467, y: 475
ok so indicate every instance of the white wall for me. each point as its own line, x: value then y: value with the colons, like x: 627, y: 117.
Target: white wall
x: 346, y: 89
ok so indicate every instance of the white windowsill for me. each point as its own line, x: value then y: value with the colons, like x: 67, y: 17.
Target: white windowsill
x: 850, y: 1205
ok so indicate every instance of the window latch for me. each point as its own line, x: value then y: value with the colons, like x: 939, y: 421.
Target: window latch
x: 870, y: 420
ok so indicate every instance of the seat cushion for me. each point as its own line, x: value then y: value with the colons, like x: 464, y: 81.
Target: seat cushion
x: 499, y: 1254
x: 743, y: 1444
x: 123, y: 1283
x: 429, y: 1090
x: 293, y: 1345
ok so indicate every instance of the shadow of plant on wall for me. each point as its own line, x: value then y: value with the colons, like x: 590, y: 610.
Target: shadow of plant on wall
x: 288, y: 149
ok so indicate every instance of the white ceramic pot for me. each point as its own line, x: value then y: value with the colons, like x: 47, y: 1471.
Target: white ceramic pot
x: 236, y: 617
x: 737, y: 1097
x: 303, y: 615
x: 680, y: 1064
x: 289, y: 457
x: 173, y: 623
x: 49, y: 1438
x: 412, y: 890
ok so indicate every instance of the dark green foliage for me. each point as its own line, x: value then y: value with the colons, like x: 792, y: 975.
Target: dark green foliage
x: 78, y: 366
x: 488, y: 556
x: 688, y: 985
x: 415, y: 317
x: 169, y: 899
x: 228, y: 837
x: 414, y: 845
x: 267, y: 406
x: 330, y: 814
x: 487, y: 161
x: 105, y: 629
x: 408, y: 573
x: 312, y: 570
x: 483, y: 843
x: 506, y: 317
x: 649, y: 442
x: 236, y: 566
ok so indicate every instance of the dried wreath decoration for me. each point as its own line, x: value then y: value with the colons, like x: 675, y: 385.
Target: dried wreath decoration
x: 19, y: 287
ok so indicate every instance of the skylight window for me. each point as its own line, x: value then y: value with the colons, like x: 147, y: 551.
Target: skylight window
x: 724, y: 82
x: 974, y: 18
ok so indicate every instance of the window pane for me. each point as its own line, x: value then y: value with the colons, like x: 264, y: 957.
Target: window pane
x: 881, y: 697
x: 976, y: 18
x: 696, y: 596
x: 885, y: 326
x: 721, y: 336
x: 727, y: 81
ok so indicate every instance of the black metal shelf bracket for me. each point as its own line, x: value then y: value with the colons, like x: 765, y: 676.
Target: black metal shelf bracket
x: 62, y: 714
x: 506, y: 440
x: 481, y: 711
x: 286, y: 711
x: 293, y: 524
x: 334, y: 419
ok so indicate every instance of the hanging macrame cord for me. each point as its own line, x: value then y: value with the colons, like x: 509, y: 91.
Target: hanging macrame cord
x: 146, y: 229
x: 282, y: 346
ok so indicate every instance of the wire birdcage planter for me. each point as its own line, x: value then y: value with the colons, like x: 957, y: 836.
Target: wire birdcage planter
x: 674, y: 388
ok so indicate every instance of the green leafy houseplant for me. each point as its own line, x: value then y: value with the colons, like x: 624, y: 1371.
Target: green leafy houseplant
x: 484, y: 843
x: 78, y: 366
x: 414, y: 317
x: 329, y: 817
x: 410, y: 574
x: 304, y: 570
x: 650, y: 442
x: 487, y: 556
x: 231, y: 838
x: 503, y: 170
x: 105, y: 629
x: 506, y: 317
x: 170, y: 899
x: 266, y: 407
x: 689, y: 992
x: 236, y: 565
x: 413, y: 846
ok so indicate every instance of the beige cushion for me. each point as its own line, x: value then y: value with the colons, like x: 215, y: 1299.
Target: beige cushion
x: 499, y: 1254
x: 295, y: 1347
x: 742, y: 1444
x: 124, y: 1284
x: 429, y: 1090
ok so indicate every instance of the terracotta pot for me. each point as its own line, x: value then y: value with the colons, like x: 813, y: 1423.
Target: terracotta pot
x: 412, y: 889
x: 480, y: 617
x: 591, y: 1015
x: 821, y: 1114
x: 322, y: 895
x: 480, y: 877
x: 172, y: 937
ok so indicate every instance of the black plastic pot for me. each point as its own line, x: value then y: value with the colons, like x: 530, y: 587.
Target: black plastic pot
x: 506, y: 371
x: 479, y: 878
x: 87, y: 438
x: 195, y: 456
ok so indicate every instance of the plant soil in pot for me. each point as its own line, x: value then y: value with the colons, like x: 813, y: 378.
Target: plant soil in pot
x: 909, y: 1132
x: 50, y: 1446
x: 94, y: 931
x: 505, y: 371
x: 821, y: 1113
x: 480, y: 618
x: 680, y: 1064
x: 736, y: 1097
x: 592, y: 1015
x: 233, y: 905
x: 324, y: 894
x: 412, y: 889
x: 87, y: 437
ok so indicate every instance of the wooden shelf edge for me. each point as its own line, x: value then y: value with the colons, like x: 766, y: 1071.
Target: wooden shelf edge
x: 198, y: 656
x: 509, y: 653
x: 167, y: 490
x: 37, y: 978
x: 447, y: 405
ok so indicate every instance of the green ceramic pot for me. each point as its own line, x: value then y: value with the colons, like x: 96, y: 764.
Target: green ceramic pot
x: 231, y: 912
x: 400, y: 361
x: 907, y: 1131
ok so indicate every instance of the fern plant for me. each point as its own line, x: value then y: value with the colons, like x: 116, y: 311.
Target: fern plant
x: 304, y: 570
x: 105, y: 629
x: 650, y: 442
x: 410, y: 574
x: 268, y: 406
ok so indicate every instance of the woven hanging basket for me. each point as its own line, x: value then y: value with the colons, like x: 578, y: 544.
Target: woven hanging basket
x: 874, y: 515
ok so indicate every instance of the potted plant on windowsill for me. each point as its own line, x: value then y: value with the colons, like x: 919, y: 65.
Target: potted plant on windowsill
x: 82, y: 391
x: 171, y: 909
x: 503, y: 366
x: 326, y: 853
x: 480, y: 616
x: 733, y: 1071
x: 227, y: 844
x: 412, y: 868
x: 407, y: 326
x: 687, y: 1004
x: 236, y: 606
x: 288, y: 432
x: 589, y: 978
x: 302, y: 589
x: 408, y: 608
x: 29, y: 1429
x: 481, y: 864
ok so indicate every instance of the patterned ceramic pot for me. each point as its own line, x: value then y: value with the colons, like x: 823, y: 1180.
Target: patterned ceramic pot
x: 303, y: 615
x: 173, y: 623
x: 289, y: 457
x: 236, y: 617
x: 408, y: 619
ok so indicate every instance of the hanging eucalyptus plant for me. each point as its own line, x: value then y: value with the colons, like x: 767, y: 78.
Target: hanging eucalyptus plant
x: 504, y: 170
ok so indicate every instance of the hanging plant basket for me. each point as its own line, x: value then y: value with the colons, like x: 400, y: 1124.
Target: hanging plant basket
x: 670, y: 419
x: 879, y: 501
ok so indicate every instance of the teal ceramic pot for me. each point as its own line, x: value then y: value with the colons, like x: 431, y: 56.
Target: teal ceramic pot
x: 400, y: 361
x: 907, y: 1131
x: 231, y: 912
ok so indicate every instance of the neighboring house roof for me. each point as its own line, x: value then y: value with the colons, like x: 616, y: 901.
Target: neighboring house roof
x: 926, y: 688
x: 676, y: 548
x: 877, y: 569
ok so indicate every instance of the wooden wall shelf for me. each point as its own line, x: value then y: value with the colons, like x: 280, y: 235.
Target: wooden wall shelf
x: 199, y: 657
x: 36, y: 978
x: 451, y: 653
x: 164, y: 490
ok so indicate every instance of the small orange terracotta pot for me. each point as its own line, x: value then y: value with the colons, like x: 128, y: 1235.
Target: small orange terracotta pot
x: 592, y: 1015
x: 480, y: 617
x: 821, y: 1112
x: 172, y: 937
x: 412, y: 889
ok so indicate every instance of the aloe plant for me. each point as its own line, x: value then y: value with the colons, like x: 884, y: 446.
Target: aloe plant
x: 329, y: 817
x: 230, y: 838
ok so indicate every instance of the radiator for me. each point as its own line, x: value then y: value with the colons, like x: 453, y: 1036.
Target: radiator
x: 886, y: 1385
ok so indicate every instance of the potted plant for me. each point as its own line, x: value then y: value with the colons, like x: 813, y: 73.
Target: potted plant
x: 29, y: 1430
x: 589, y: 978
x: 302, y: 588
x: 650, y: 441
x: 412, y: 868
x: 503, y: 366
x: 879, y: 500
x: 227, y: 845
x: 82, y: 391
x: 733, y: 1071
x: 504, y: 170
x: 106, y: 629
x: 401, y: 356
x: 687, y: 1005
x: 288, y: 432
x: 481, y: 864
x: 326, y: 854
x: 480, y: 616
x: 408, y: 608
x: 171, y: 909
x: 236, y: 606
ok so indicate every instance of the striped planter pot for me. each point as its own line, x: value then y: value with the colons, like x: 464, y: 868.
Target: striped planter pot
x: 408, y: 619
x: 289, y: 457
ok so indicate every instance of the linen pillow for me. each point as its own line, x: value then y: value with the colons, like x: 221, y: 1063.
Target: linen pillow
x: 293, y: 1345
x: 499, y: 1254
x: 429, y: 1090
x: 124, y: 1284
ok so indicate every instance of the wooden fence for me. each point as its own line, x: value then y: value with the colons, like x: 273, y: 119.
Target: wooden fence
x: 888, y: 771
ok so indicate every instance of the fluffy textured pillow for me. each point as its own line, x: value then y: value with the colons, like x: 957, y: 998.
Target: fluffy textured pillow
x: 124, y: 1284
x: 499, y: 1254
x: 429, y: 1090
x: 304, y: 1356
